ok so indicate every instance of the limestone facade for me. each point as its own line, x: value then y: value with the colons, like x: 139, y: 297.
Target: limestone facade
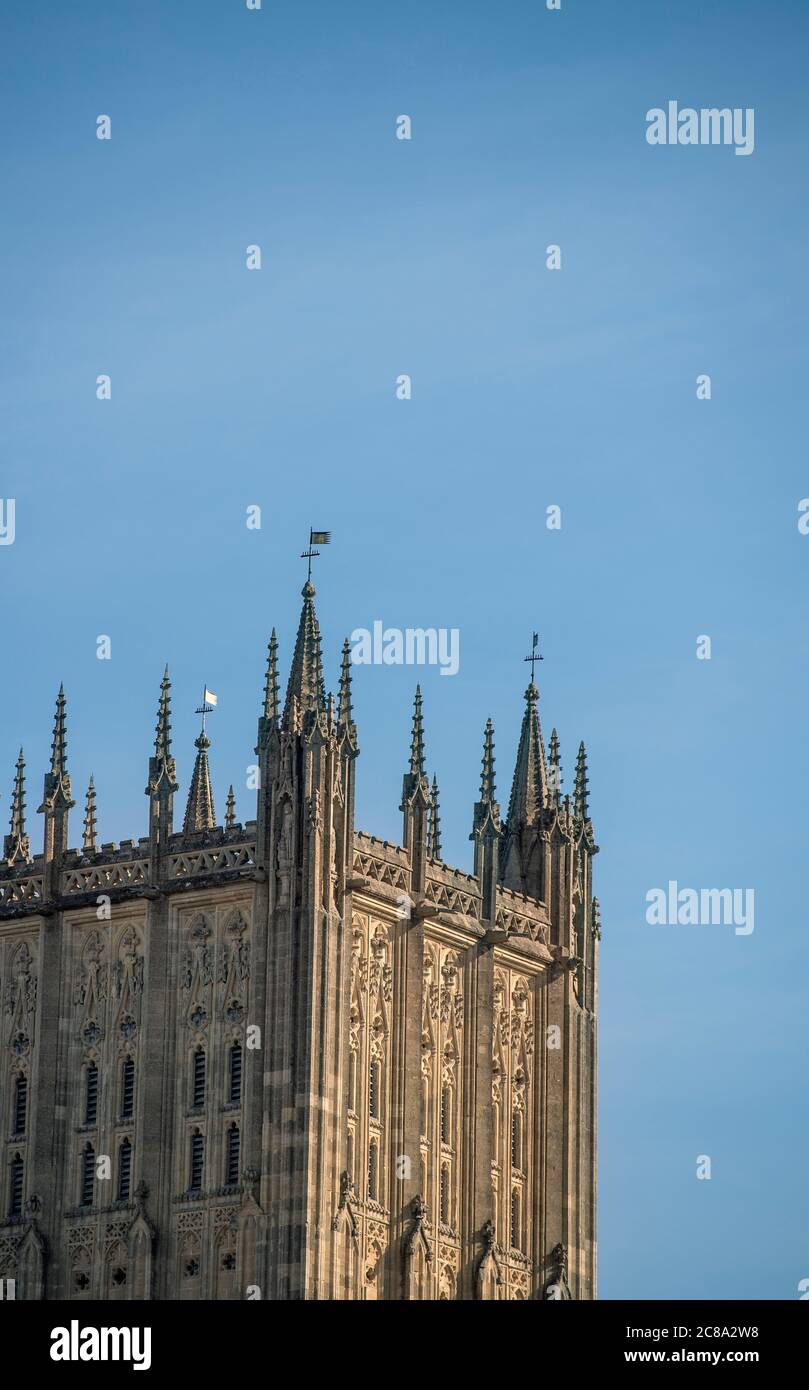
x: 287, y: 1060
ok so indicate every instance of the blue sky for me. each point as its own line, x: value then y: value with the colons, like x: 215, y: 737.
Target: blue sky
x: 530, y: 388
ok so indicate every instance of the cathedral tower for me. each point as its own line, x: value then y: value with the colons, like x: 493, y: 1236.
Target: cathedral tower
x: 285, y: 1059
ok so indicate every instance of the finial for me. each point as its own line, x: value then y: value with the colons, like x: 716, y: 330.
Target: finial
x: 434, y: 824
x: 344, y: 708
x: 487, y: 773
x: 555, y: 773
x: 417, y: 738
x: 89, y: 838
x: 271, y: 682
x: 230, y: 809
x: 580, y: 792
x: 17, y: 846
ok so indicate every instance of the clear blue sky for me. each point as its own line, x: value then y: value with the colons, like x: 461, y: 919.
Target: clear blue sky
x: 530, y: 388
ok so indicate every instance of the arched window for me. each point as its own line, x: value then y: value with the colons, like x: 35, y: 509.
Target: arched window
x: 197, y: 1161
x: 516, y: 1140
x: 516, y: 1233
x: 373, y: 1174
x: 16, y: 1186
x: 443, y: 1205
x: 88, y: 1172
x: 232, y: 1165
x: 373, y: 1091
x: 198, y: 1089
x: 127, y: 1089
x: 20, y: 1104
x: 235, y: 1087
x: 446, y: 1114
x: 91, y: 1095
x: 124, y: 1170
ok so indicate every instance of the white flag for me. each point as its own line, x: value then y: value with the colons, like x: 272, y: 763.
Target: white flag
x: 208, y: 698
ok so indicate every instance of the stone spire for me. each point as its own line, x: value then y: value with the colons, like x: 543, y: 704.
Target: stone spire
x: 271, y: 682
x: 554, y: 769
x: 434, y: 824
x: 344, y: 711
x: 529, y: 788
x: 580, y: 792
x: 57, y: 801
x: 199, y: 813
x: 16, y: 848
x: 89, y: 841
x: 306, y: 685
x: 162, y: 782
x: 230, y: 809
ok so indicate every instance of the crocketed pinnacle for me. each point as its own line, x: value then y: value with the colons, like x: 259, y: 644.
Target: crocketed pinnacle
x: 487, y: 773
x: 89, y: 841
x: 306, y: 675
x: 344, y: 711
x: 162, y: 746
x: 57, y: 779
x: 528, y: 790
x: 17, y: 848
x: 59, y: 742
x: 271, y: 682
x: 199, y: 813
x: 486, y: 816
x: 580, y: 787
x: 230, y: 809
x: 555, y: 769
x: 162, y: 769
x: 434, y: 824
x: 417, y: 738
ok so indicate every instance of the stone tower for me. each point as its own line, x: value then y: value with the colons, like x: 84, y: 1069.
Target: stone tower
x: 284, y: 1059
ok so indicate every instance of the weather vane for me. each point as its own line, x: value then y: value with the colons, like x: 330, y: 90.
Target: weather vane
x: 535, y: 656
x: 315, y: 538
x: 208, y: 703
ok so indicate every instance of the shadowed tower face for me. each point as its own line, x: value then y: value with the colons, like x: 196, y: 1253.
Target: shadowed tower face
x: 321, y: 1065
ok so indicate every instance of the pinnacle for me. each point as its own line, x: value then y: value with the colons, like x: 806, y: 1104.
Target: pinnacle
x: 417, y: 738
